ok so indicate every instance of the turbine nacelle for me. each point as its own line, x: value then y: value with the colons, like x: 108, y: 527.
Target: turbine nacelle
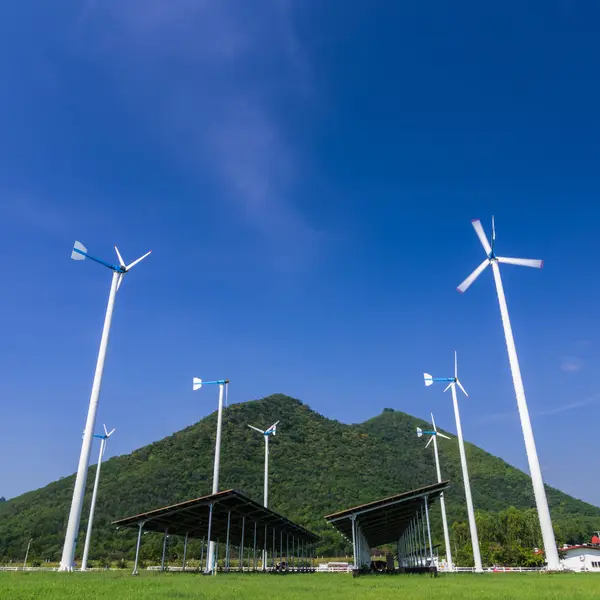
x: 267, y: 432
x: 491, y: 256
x: 80, y: 253
x: 106, y: 435
x: 432, y: 433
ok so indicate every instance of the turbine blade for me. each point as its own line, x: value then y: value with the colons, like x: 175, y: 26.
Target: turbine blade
x: 105, y: 431
x: 79, y: 251
x: 428, y: 379
x: 119, y: 281
x: 121, y: 261
x: 455, y: 365
x: 256, y: 429
x: 481, y: 235
x: 135, y: 262
x: 444, y: 436
x: 433, y: 422
x: 464, y: 286
x: 419, y: 432
x: 449, y: 386
x: 493, y: 232
x: 196, y: 384
x: 522, y: 262
x: 110, y: 432
x: 462, y: 388
x: 429, y: 442
x: 226, y: 395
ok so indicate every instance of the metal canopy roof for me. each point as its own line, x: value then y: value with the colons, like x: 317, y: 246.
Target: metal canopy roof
x: 384, y: 521
x: 192, y: 517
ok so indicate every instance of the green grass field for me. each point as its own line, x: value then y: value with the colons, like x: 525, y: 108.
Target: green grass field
x: 330, y: 586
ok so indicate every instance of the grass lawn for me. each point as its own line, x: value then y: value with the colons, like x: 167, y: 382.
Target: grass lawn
x: 335, y: 586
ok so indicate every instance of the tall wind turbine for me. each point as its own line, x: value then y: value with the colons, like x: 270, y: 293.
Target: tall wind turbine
x: 223, y: 386
x: 434, y: 434
x: 452, y: 383
x: 88, y: 535
x: 80, y: 253
x: 266, y: 434
x: 541, y: 501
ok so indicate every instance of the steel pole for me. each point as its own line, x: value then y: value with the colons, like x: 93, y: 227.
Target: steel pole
x: 68, y: 554
x: 88, y: 535
x: 27, y: 554
x: 467, y: 483
x: 443, y: 507
x: 137, y: 548
x: 184, y: 551
x: 535, y: 471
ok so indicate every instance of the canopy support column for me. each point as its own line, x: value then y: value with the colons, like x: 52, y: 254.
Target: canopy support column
x: 137, y: 548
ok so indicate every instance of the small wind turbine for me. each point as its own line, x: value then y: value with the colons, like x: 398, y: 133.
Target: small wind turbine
x: 266, y: 434
x: 452, y: 383
x: 88, y: 535
x: 80, y: 253
x: 223, y: 385
x: 534, y: 465
x: 434, y: 434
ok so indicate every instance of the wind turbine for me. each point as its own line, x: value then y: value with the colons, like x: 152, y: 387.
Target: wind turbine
x: 88, y: 536
x: 452, y: 383
x: 434, y: 434
x: 541, y: 501
x: 223, y: 386
x: 266, y: 434
x: 80, y: 253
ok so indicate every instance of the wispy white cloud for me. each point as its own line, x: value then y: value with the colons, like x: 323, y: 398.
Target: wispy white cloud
x: 572, y: 364
x: 514, y: 415
x: 214, y: 81
x: 570, y: 406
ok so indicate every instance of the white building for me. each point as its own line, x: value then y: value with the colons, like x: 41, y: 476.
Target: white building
x: 584, y: 557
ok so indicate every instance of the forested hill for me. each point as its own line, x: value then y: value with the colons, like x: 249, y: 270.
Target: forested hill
x: 317, y: 466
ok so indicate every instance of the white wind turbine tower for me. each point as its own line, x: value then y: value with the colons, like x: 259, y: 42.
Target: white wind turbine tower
x: 541, y: 501
x: 80, y: 253
x: 223, y: 387
x: 434, y: 434
x: 88, y: 535
x: 266, y: 433
x: 452, y: 383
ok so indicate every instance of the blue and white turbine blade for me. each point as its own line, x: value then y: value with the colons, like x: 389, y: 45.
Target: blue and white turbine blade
x: 419, y: 432
x: 428, y: 379
x: 135, y: 262
x: 481, y: 235
x: 461, y: 387
x: 121, y: 261
x: 197, y: 384
x: 272, y: 429
x: 79, y: 251
x: 522, y: 262
x: 466, y: 284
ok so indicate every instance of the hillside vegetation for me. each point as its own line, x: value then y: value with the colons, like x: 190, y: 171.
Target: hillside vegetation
x: 317, y: 466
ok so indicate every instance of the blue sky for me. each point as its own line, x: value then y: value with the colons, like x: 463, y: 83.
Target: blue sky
x: 305, y: 174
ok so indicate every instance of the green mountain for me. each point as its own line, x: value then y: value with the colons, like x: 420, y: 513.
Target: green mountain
x: 317, y: 466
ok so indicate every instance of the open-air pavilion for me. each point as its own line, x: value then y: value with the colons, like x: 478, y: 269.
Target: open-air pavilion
x: 402, y: 519
x: 235, y: 520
